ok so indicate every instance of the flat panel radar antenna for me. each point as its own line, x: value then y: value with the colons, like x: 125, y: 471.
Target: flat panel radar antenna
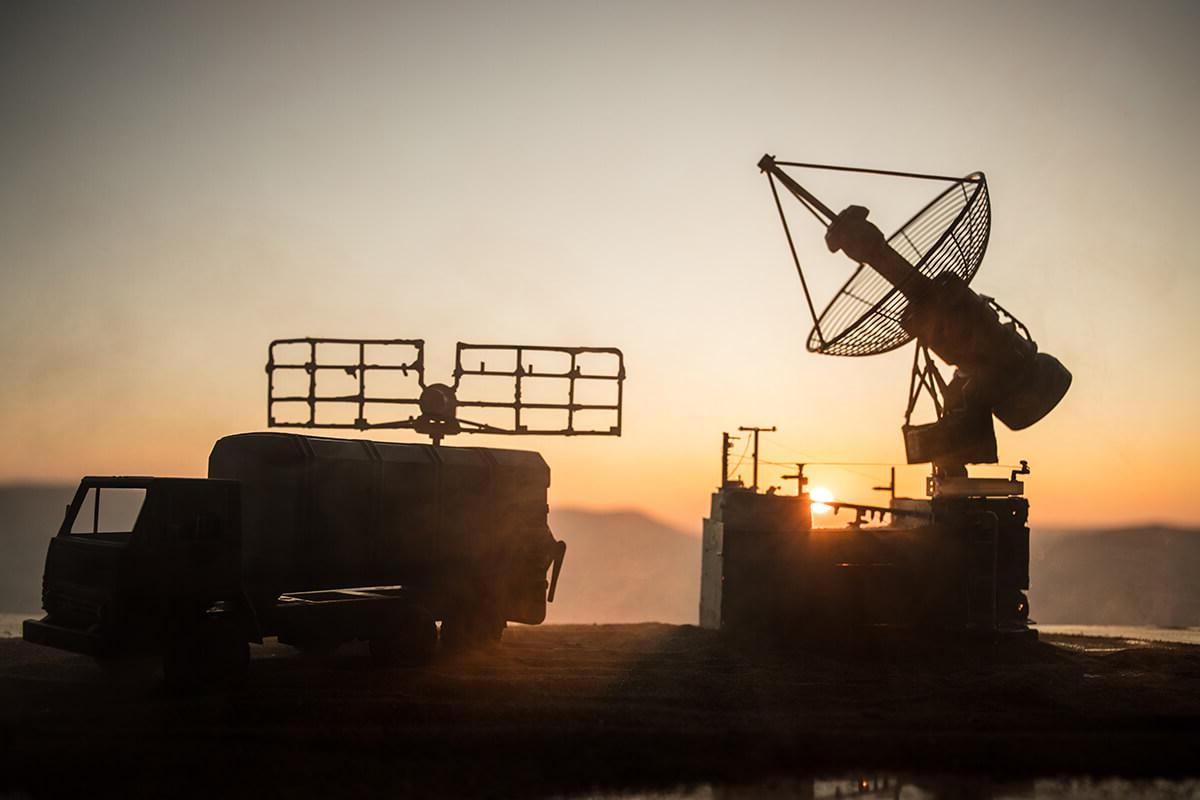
x: 950, y: 234
x: 513, y: 390
x: 914, y: 285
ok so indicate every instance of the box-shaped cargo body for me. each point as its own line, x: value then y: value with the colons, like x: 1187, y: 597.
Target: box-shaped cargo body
x: 465, y: 528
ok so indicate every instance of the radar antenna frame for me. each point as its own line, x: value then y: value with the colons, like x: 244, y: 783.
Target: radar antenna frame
x: 436, y: 405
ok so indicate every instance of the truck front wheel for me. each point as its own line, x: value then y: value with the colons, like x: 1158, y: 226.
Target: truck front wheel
x: 204, y: 653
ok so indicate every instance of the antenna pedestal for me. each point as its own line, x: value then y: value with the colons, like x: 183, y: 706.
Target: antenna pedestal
x: 960, y: 486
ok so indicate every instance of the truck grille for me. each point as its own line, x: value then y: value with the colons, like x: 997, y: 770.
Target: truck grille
x: 68, y: 606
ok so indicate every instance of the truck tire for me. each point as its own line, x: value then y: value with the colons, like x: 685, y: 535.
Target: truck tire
x: 205, y: 653
x: 411, y: 642
x: 469, y: 630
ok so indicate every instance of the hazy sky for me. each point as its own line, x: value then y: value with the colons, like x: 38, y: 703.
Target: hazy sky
x: 182, y: 183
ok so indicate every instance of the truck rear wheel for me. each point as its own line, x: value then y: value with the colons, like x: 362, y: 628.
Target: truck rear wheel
x: 409, y: 642
x: 205, y: 653
x: 474, y: 629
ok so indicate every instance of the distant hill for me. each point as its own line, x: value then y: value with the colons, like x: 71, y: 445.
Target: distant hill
x: 1128, y: 576
x: 625, y: 566
x: 29, y: 516
x: 639, y: 569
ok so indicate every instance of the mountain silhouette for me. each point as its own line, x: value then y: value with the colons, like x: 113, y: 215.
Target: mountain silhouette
x: 625, y: 566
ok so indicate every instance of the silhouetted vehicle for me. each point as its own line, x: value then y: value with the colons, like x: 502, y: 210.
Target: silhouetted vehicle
x: 316, y: 541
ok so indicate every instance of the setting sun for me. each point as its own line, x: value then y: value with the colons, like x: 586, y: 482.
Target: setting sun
x: 820, y: 497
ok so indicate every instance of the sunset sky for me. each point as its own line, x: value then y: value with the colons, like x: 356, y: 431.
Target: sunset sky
x: 183, y: 182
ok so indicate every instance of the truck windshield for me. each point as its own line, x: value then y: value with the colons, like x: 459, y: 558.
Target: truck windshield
x: 108, y: 510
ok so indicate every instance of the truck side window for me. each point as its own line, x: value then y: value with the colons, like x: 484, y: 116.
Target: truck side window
x: 118, y: 510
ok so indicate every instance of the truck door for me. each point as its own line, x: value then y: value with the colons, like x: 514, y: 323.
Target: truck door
x: 197, y: 540
x: 86, y: 559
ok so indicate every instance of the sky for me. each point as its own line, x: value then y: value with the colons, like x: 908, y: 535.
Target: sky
x: 184, y: 182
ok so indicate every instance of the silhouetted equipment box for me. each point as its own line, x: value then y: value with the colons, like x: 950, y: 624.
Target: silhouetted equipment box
x: 766, y: 570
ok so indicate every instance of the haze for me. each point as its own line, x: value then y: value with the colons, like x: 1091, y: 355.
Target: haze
x: 184, y: 182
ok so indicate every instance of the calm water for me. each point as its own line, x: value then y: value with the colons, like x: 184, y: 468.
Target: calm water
x: 927, y: 788
x: 1132, y: 632
x: 10, y: 625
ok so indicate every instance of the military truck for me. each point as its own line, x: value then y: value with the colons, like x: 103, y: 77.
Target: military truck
x: 312, y: 540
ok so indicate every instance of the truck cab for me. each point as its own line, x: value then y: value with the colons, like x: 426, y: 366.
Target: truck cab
x: 133, y: 558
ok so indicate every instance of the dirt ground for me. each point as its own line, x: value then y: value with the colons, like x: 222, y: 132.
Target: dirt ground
x: 570, y: 709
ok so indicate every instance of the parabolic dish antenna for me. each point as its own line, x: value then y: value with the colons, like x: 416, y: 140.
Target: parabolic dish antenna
x: 950, y: 234
x: 913, y: 285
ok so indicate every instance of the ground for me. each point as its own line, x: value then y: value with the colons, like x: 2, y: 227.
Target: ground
x: 575, y: 709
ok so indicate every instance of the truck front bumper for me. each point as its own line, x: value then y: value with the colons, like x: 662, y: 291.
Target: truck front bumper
x: 77, y: 640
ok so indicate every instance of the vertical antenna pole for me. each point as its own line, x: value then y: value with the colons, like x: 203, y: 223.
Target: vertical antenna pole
x: 756, y: 432
x: 724, y: 460
x: 726, y: 443
x: 754, y: 483
x: 801, y: 481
